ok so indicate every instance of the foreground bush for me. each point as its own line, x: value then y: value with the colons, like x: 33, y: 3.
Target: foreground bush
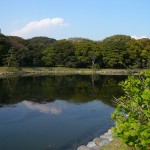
x: 132, y: 114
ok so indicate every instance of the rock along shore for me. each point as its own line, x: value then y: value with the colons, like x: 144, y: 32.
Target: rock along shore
x: 98, y: 142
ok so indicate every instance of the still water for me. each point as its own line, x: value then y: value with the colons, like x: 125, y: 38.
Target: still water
x: 55, y: 112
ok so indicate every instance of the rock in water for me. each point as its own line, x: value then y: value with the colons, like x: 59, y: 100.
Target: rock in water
x: 91, y: 144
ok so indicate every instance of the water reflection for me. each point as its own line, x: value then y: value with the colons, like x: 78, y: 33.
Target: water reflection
x: 62, y: 111
x: 52, y: 108
x: 77, y: 89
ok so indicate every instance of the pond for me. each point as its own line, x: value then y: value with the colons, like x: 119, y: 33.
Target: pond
x: 55, y: 112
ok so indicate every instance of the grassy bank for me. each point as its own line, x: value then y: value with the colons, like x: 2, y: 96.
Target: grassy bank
x: 32, y: 69
x: 116, y: 144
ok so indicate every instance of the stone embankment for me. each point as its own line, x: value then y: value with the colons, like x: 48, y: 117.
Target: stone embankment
x: 23, y: 73
x: 98, y: 142
x: 117, y: 71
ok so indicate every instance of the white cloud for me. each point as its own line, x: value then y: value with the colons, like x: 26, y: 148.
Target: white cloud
x: 47, y: 108
x: 40, y: 28
x: 139, y: 37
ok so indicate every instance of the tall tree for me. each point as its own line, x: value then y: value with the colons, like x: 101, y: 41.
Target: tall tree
x: 145, y: 52
x: 134, y: 51
x: 87, y: 53
x: 10, y: 59
x: 114, y: 51
x: 4, y: 47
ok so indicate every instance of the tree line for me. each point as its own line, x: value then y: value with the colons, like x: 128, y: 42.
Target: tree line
x: 118, y: 51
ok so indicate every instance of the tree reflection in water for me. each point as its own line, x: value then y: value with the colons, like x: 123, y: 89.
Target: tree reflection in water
x: 73, y: 88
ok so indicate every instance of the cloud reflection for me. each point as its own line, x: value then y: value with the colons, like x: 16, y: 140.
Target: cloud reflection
x: 52, y: 108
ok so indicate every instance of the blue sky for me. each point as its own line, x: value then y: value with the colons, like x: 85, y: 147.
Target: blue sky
x: 93, y: 19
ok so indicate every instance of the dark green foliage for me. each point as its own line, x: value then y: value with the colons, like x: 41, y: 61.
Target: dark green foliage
x: 134, y: 51
x: 118, y: 51
x: 4, y: 47
x: 61, y: 53
x: 10, y: 59
x: 132, y: 114
x: 145, y: 53
x: 36, y: 46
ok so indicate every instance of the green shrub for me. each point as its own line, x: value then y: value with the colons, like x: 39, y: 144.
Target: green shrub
x: 132, y: 114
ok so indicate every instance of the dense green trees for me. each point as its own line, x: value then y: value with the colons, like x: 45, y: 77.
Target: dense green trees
x: 4, y: 47
x: 114, y: 50
x: 145, y: 52
x: 35, y: 47
x: 87, y: 53
x: 10, y: 59
x: 60, y: 53
x: 118, y: 51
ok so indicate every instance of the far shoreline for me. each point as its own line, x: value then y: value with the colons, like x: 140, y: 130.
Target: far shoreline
x: 29, y: 71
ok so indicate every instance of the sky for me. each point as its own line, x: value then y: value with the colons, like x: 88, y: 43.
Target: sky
x: 62, y: 19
